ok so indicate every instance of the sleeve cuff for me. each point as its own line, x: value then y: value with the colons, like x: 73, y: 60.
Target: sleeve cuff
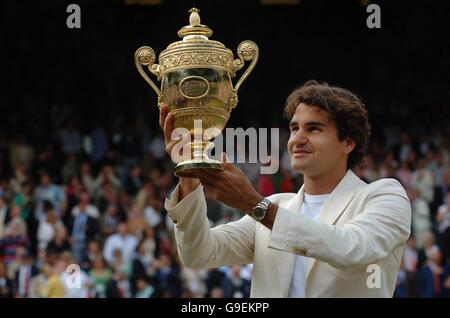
x: 178, y: 210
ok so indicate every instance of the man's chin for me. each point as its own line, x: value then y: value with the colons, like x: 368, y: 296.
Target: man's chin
x: 299, y: 167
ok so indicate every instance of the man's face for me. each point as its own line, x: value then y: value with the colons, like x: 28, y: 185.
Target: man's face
x: 313, y: 145
x: 45, y: 181
x: 122, y: 229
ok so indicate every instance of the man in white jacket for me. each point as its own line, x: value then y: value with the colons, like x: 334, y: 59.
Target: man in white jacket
x: 336, y: 237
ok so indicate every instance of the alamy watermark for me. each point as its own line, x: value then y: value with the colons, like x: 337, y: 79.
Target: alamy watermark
x: 374, y: 279
x: 374, y: 19
x: 73, y: 21
x: 259, y: 142
x: 73, y: 279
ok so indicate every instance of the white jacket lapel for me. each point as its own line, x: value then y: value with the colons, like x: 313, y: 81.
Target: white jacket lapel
x: 335, y: 205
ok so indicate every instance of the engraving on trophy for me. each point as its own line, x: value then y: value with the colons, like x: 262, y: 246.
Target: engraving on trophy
x: 194, y: 87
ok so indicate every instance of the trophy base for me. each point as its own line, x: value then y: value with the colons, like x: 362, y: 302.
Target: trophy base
x: 186, y: 168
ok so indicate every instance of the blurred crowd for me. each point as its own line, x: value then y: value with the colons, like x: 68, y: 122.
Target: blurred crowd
x: 94, y: 197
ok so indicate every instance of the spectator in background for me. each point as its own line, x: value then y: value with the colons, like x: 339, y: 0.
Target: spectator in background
x: 85, y: 206
x: 405, y: 148
x: 239, y: 287
x: 149, y: 244
x: 146, y: 192
x: 136, y: 222
x: 109, y: 220
x: 158, y: 147
x: 144, y: 289
x: 420, y: 215
x: 422, y: 180
x: 410, y: 259
x: 370, y: 173
x: 134, y: 182
x: 428, y: 245
x: 6, y: 284
x: 99, y: 144
x: 121, y: 240
x: 87, y: 179
x: 106, y: 195
x: 216, y: 278
x: 35, y: 285
x: 60, y: 243
x: 194, y: 281
x: 9, y: 244
x: 139, y: 267
x: 23, y: 200
x: 83, y: 229
x: 23, y: 274
x: 70, y: 139
x: 217, y: 292
x: 107, y: 176
x: 21, y: 153
x: 73, y: 191
x: 47, y: 226
x: 152, y: 211
x: 93, y: 251
x: 120, y: 265
x: 47, y: 191
x: 70, y: 168
x: 3, y: 215
x: 166, y: 273
x: 16, y: 219
x: 434, y: 282
x: 20, y: 177
x: 53, y: 286
x: 118, y: 286
x: 100, y: 276
x: 404, y: 174
x: 443, y: 223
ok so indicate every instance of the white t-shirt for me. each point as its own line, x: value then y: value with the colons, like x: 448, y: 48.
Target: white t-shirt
x: 311, y: 207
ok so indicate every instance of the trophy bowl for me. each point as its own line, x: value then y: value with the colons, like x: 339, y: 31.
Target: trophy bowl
x: 196, y: 85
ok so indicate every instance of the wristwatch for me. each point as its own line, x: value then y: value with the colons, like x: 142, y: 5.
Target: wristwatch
x: 260, y: 210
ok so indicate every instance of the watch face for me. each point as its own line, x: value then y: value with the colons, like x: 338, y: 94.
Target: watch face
x: 258, y: 212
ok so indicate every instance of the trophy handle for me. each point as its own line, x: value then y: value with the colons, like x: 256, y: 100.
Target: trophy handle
x: 247, y: 50
x: 145, y: 56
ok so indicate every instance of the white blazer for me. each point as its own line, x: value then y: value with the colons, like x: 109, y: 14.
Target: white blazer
x: 360, y: 224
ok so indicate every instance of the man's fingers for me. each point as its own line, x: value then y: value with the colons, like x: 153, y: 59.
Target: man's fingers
x: 227, y: 163
x: 168, y: 127
x: 163, y: 110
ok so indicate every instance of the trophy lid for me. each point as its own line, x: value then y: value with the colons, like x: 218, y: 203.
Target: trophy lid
x: 196, y: 50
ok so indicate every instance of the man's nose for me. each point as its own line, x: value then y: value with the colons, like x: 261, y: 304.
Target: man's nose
x: 300, y: 138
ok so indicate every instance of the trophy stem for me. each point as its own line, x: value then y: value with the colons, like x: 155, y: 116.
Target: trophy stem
x: 199, y: 160
x: 198, y: 150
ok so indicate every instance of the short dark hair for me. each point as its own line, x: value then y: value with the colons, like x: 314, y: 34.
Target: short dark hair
x: 345, y: 108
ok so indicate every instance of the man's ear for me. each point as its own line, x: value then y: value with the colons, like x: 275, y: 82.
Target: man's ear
x: 349, y: 145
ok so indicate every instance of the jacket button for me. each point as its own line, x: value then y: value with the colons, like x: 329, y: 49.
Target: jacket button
x: 174, y: 221
x: 300, y: 251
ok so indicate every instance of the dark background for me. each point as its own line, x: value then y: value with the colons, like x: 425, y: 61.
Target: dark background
x: 400, y: 70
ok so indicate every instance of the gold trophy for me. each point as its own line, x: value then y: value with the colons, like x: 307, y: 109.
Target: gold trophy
x: 195, y: 75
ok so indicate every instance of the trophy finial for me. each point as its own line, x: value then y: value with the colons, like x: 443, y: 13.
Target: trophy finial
x: 194, y: 18
x: 195, y: 27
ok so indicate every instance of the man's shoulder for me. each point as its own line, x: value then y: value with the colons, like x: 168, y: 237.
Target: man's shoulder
x: 384, y: 186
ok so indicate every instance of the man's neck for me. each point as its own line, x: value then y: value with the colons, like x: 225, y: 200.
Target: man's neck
x: 323, y: 184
